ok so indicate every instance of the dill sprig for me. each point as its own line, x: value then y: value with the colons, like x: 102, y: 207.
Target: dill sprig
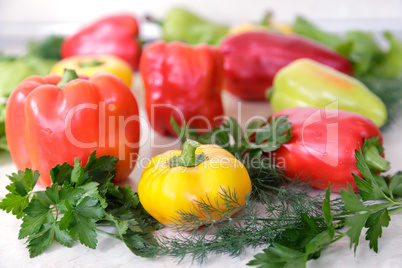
x: 258, y: 223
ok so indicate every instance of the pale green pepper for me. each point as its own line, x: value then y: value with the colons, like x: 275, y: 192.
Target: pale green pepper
x: 306, y: 83
x: 182, y: 25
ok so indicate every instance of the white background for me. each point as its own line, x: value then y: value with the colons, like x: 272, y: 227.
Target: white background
x: 223, y: 10
x: 22, y: 19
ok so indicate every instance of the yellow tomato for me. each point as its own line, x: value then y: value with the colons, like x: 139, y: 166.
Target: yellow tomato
x: 172, y: 183
x: 90, y: 65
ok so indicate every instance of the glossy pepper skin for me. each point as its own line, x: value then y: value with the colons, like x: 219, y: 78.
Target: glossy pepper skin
x: 182, y: 81
x: 115, y: 35
x: 323, y: 144
x: 307, y: 83
x: 167, y: 187
x: 47, y: 125
x: 90, y: 65
x: 252, y: 59
x: 183, y: 25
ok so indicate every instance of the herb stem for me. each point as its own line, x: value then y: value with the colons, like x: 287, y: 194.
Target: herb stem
x: 110, y: 234
x: 395, y: 210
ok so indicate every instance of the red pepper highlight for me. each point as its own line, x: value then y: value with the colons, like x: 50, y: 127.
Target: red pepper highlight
x: 115, y: 35
x: 182, y: 81
x: 252, y: 59
x: 50, y: 121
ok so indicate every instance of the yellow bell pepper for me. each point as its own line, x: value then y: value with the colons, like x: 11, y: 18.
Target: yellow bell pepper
x: 268, y: 24
x: 176, y: 180
x: 90, y: 65
x: 246, y: 27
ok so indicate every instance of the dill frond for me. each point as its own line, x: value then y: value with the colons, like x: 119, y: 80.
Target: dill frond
x: 259, y: 222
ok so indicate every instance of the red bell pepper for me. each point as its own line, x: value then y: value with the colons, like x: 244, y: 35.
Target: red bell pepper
x: 115, y: 35
x: 252, y: 59
x: 182, y: 81
x: 323, y: 143
x: 49, y: 124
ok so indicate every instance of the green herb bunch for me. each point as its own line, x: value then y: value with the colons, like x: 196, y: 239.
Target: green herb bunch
x: 75, y: 207
x: 281, y: 214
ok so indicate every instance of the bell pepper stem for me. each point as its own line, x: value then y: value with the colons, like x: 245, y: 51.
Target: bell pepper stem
x: 266, y: 19
x: 90, y: 63
x: 68, y: 76
x: 375, y: 161
x: 372, y: 150
x: 149, y: 18
x: 268, y: 93
x: 187, y: 156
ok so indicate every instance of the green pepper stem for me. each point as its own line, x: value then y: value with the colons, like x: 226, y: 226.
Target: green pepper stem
x: 149, y: 18
x: 68, y: 76
x: 187, y: 156
x: 266, y: 19
x: 90, y: 63
x: 374, y: 160
x: 269, y: 92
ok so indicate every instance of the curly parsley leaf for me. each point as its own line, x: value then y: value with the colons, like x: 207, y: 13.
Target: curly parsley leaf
x: 371, y: 216
x: 79, y: 200
x: 369, y: 188
x: 41, y: 240
x: 36, y: 215
x: 300, y: 242
x: 80, y: 221
x: 277, y: 256
x: 134, y: 225
x: 374, y: 224
x: 61, y: 173
x: 18, y: 198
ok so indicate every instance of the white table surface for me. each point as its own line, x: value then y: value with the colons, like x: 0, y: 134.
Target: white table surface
x: 113, y: 253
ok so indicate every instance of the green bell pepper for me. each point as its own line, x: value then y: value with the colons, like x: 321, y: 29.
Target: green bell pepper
x: 182, y: 25
x: 306, y: 83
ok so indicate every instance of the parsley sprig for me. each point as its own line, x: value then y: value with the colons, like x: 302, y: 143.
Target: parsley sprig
x: 75, y: 207
x: 371, y: 209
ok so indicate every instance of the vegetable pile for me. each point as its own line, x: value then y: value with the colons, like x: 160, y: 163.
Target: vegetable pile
x: 230, y: 187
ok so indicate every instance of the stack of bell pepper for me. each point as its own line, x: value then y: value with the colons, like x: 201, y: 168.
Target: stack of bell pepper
x: 183, y: 78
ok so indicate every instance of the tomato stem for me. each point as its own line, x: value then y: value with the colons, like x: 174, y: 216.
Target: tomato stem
x: 68, y: 75
x: 188, y: 157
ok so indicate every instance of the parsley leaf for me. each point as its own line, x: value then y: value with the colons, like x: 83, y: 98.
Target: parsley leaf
x: 18, y: 198
x: 301, y: 242
x: 41, y: 240
x: 36, y: 215
x: 277, y: 256
x: 374, y: 224
x: 80, y: 220
x: 79, y: 200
